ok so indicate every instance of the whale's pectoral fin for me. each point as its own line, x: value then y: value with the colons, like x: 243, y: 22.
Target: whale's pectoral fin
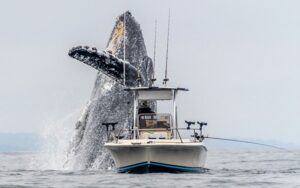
x: 106, y: 63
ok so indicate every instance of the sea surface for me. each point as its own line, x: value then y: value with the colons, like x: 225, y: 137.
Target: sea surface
x: 226, y: 169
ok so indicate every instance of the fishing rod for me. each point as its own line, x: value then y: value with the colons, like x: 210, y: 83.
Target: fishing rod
x: 247, y: 142
x: 201, y: 137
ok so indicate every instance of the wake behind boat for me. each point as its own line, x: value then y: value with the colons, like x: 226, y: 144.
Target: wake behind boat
x: 154, y: 143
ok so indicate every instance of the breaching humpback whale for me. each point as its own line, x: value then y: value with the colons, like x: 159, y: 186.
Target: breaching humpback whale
x: 109, y: 102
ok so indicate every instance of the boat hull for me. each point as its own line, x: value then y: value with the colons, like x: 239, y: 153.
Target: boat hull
x: 154, y: 167
x: 149, y: 158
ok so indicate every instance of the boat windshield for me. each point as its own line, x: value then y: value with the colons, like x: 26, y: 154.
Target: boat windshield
x: 154, y: 121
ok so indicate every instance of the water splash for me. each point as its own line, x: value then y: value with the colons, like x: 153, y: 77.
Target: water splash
x: 56, y: 137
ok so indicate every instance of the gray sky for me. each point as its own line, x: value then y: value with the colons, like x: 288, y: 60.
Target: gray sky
x: 240, y: 60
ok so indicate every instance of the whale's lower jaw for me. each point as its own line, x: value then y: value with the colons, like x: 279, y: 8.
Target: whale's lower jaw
x: 106, y: 63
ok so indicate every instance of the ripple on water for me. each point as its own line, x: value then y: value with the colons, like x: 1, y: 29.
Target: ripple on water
x: 228, y: 173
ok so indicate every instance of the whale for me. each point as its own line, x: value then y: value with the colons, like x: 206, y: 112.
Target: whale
x: 109, y: 100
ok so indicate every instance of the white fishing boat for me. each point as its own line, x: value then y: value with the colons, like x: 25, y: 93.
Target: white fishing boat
x: 155, y: 143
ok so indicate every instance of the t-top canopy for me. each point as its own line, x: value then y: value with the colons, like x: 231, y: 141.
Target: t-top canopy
x: 155, y: 93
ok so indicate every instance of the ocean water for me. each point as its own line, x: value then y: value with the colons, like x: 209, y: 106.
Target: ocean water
x: 226, y: 169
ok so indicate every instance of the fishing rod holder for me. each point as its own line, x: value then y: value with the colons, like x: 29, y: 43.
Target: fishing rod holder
x: 189, y: 123
x: 152, y: 81
x: 110, y: 127
x: 201, y: 124
x: 110, y: 124
x: 198, y: 136
x: 165, y: 80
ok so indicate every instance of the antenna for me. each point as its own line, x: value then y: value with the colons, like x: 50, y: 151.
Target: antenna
x: 166, y: 70
x: 154, y: 55
x: 124, y: 47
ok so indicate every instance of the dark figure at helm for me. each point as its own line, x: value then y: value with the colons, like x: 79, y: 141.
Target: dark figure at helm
x: 144, y: 108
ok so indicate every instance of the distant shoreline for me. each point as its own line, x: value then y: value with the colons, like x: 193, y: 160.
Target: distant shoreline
x: 32, y: 142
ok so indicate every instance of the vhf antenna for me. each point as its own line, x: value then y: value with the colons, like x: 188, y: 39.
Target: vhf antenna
x: 154, y: 53
x: 124, y: 47
x: 166, y: 70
